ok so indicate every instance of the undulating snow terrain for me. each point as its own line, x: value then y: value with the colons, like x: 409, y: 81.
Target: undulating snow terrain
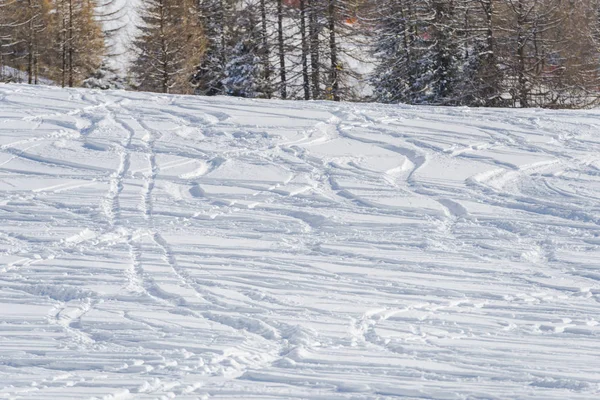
x: 157, y: 246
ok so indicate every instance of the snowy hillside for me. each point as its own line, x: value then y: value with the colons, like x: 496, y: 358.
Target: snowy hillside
x: 158, y: 246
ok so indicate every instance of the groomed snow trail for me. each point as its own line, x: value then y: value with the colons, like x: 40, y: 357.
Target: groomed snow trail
x: 159, y: 246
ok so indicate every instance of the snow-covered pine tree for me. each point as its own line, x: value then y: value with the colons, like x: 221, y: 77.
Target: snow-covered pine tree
x: 169, y: 46
x: 217, y: 18
x: 396, y: 72
x: 244, y: 72
x: 420, y: 48
x: 439, y: 58
x: 417, y: 52
x: 104, y: 78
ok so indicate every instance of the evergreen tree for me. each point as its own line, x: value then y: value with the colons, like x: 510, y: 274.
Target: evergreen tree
x: 281, y: 51
x: 104, y: 78
x: 447, y: 52
x: 245, y: 72
x: 395, y: 75
x: 440, y: 58
x: 217, y: 20
x: 418, y: 53
x: 169, y: 46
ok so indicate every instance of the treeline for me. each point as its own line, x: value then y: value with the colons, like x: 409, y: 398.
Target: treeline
x: 524, y: 53
x: 509, y: 53
x: 291, y: 49
x: 60, y: 40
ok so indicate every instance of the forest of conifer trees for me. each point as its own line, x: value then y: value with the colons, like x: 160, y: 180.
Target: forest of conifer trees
x: 495, y: 53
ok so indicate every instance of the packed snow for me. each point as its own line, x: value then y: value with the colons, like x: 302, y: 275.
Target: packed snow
x: 156, y: 246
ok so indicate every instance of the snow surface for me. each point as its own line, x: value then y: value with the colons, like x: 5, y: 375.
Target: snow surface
x: 158, y: 246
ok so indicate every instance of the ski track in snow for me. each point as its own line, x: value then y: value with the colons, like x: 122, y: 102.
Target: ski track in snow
x: 157, y: 246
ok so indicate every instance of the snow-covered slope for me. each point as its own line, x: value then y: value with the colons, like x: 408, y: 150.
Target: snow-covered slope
x: 196, y: 247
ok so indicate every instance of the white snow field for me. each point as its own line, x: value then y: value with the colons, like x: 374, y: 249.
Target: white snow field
x: 156, y: 246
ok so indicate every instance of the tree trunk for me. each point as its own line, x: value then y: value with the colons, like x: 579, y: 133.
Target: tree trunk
x: 305, y: 51
x: 313, y: 31
x: 334, y: 75
x: 71, y: 36
x: 164, y: 50
x: 30, y: 42
x: 36, y: 69
x: 63, y: 44
x: 522, y: 91
x: 281, y: 46
x: 265, y: 51
x: 491, y: 92
x: 488, y: 8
